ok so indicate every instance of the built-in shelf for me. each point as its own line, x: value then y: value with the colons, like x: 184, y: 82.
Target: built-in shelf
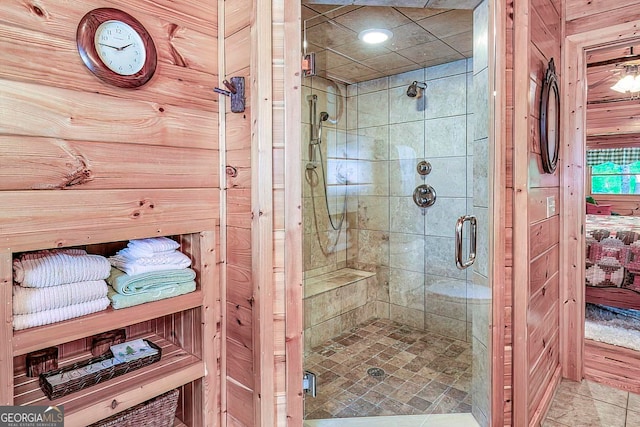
x: 32, y: 339
x: 178, y: 325
x: 175, y: 368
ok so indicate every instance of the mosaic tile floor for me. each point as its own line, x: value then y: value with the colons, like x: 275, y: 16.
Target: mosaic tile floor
x: 423, y: 373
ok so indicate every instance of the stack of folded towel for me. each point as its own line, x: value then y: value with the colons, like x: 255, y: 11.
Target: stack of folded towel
x: 56, y: 285
x: 149, y: 270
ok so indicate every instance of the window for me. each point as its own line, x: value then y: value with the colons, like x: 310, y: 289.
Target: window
x: 613, y: 178
x: 614, y: 170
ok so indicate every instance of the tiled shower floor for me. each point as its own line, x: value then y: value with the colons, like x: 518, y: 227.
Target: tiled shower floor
x: 424, y: 373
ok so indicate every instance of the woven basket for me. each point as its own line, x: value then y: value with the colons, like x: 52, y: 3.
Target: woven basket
x: 55, y: 391
x: 157, y: 412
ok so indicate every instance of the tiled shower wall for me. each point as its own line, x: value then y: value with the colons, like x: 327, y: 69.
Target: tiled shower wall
x: 411, y: 249
x: 324, y: 251
x: 372, y: 143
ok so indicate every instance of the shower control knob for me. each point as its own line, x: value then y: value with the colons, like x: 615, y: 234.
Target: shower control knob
x: 424, y: 168
x: 424, y: 195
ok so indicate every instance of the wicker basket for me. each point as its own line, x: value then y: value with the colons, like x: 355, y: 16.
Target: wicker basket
x: 157, y: 412
x: 59, y: 390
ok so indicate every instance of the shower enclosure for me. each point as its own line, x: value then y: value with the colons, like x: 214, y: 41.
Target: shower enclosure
x: 392, y: 325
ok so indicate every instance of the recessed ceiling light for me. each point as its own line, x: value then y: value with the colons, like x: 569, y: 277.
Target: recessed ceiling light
x: 375, y: 35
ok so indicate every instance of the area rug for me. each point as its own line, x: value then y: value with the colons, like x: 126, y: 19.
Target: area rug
x: 612, y: 326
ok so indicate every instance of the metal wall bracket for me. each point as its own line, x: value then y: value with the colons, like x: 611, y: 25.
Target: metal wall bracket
x: 309, y: 64
x: 235, y: 92
x: 309, y: 383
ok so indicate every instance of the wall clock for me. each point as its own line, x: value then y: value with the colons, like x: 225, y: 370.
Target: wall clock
x: 116, y: 47
x: 550, y: 119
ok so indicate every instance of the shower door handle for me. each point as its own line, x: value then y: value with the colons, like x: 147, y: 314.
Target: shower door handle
x: 472, y: 241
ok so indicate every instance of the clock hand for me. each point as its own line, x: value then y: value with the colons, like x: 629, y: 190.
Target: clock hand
x: 107, y: 45
x: 124, y: 47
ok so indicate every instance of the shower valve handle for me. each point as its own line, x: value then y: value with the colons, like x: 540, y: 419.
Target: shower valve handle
x: 424, y: 195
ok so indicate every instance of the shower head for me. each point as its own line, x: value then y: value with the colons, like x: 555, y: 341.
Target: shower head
x: 324, y: 116
x: 414, y: 89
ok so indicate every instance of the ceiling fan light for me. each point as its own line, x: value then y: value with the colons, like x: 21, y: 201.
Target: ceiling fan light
x: 626, y: 84
x: 630, y: 82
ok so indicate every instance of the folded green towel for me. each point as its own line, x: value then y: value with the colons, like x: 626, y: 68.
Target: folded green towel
x: 124, y: 301
x: 148, y: 282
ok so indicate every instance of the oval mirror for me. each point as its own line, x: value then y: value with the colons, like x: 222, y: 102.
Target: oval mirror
x: 550, y: 119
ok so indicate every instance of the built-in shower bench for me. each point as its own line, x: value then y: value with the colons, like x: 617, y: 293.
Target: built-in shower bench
x: 336, y: 302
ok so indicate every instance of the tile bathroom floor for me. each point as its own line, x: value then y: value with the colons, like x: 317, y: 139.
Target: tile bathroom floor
x: 423, y: 373
x: 590, y: 404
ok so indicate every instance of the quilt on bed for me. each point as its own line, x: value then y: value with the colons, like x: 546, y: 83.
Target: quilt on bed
x: 613, y: 251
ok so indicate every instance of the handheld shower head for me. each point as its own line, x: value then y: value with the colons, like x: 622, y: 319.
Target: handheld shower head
x: 414, y: 89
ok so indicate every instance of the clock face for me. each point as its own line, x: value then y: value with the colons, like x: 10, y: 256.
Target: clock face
x: 120, y: 47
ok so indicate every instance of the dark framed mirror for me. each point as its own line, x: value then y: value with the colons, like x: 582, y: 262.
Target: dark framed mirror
x: 550, y: 119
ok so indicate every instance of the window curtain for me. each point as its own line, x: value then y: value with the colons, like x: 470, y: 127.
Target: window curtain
x: 619, y: 156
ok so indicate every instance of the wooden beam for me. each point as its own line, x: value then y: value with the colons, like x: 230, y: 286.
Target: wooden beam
x: 521, y: 257
x: 293, y: 214
x: 221, y: 257
x: 6, y: 331
x: 262, y: 211
x: 211, y: 331
x: 497, y: 133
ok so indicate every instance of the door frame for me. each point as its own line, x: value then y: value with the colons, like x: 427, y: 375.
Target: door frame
x: 572, y: 188
x: 294, y: 346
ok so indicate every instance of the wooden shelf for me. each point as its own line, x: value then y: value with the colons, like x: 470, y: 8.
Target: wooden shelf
x: 185, y: 320
x: 175, y: 368
x: 32, y: 339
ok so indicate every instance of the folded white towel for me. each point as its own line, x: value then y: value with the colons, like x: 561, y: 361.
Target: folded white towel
x: 24, y: 321
x: 147, y: 247
x: 133, y: 265
x: 33, y: 300
x: 52, y: 268
x: 136, y: 252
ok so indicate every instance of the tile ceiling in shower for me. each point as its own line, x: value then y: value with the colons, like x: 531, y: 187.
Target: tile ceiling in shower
x: 422, y: 37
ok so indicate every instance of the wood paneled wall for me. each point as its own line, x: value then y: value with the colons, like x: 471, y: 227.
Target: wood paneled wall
x: 241, y: 369
x: 86, y: 162
x: 583, y: 16
x: 264, y: 363
x: 538, y: 34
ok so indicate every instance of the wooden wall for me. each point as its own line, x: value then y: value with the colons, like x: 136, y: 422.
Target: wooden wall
x: 262, y: 388
x: 86, y: 162
x: 586, y: 15
x: 538, y: 33
x: 240, y: 340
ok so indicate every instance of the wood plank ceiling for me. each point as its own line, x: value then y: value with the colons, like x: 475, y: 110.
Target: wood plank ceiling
x: 605, y: 67
x: 612, y: 117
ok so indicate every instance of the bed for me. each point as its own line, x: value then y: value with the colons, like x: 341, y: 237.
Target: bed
x: 612, y: 275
